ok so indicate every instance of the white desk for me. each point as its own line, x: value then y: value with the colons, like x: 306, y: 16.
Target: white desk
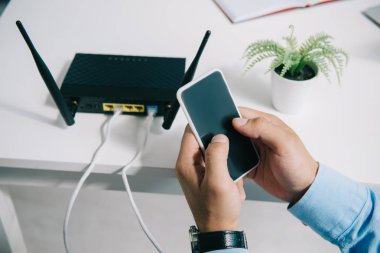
x: 341, y: 128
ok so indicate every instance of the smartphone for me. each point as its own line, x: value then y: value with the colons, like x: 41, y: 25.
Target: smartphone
x: 209, y: 108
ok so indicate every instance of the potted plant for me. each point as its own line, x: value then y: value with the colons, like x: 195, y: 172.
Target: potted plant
x: 294, y: 69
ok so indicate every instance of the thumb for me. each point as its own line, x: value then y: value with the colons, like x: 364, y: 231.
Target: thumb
x: 216, y: 158
x: 261, y: 128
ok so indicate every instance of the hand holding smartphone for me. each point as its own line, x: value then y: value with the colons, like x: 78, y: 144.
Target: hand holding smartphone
x: 209, y: 109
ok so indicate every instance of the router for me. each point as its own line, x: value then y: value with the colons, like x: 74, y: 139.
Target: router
x: 98, y: 83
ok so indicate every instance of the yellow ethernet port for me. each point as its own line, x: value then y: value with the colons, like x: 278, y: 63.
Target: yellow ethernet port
x: 134, y: 108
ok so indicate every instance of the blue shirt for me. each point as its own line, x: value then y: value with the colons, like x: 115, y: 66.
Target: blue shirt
x: 342, y: 211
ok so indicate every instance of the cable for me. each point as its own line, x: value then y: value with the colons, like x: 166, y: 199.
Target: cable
x: 148, y: 123
x: 97, y: 154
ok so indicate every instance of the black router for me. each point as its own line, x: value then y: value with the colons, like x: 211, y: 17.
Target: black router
x: 98, y: 83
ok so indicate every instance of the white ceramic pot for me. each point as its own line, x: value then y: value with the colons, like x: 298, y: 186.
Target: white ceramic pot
x: 290, y: 96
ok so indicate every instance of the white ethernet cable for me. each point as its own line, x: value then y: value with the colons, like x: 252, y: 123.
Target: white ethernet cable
x: 151, y: 112
x: 149, y: 120
x: 98, y: 153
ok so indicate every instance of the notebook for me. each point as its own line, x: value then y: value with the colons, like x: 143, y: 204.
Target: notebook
x: 373, y: 14
x: 241, y: 10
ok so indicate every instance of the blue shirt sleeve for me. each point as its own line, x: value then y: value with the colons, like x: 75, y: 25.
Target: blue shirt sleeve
x: 342, y: 211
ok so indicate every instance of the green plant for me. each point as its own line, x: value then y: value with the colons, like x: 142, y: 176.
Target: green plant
x: 291, y: 60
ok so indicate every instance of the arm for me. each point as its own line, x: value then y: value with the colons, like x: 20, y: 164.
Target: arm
x: 339, y: 209
x: 342, y: 211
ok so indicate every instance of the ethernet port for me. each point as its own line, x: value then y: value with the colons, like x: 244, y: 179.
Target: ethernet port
x: 128, y: 108
x: 139, y: 108
x: 108, y: 107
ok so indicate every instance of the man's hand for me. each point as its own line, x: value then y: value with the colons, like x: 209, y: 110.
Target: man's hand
x: 286, y: 169
x: 214, y: 199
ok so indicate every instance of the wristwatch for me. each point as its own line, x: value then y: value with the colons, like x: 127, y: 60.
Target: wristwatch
x: 216, y: 240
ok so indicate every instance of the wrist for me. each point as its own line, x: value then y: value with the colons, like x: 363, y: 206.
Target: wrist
x: 308, y: 182
x: 217, y: 226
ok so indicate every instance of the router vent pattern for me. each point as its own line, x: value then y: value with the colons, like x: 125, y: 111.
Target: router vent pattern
x: 120, y: 71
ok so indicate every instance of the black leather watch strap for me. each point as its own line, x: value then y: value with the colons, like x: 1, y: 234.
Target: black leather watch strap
x: 221, y: 240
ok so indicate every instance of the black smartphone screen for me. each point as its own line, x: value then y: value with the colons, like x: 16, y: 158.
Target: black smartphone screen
x: 211, y: 109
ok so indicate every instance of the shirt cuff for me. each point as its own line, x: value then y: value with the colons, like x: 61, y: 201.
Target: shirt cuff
x: 331, y: 204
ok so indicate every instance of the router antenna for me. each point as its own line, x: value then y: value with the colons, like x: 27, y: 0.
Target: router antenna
x: 48, y: 78
x: 189, y: 74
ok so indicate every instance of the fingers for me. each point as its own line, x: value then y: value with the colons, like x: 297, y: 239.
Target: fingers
x: 261, y: 128
x: 216, y: 158
x: 186, y: 163
x: 272, y: 131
